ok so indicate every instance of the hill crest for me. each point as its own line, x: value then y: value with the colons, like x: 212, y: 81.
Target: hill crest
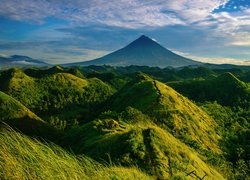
x: 171, y: 110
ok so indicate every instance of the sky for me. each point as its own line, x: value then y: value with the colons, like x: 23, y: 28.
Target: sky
x: 63, y: 31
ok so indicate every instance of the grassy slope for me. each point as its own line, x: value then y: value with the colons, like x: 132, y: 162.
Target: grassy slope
x: 55, y: 92
x: 20, y: 79
x: 144, y: 144
x: 226, y: 89
x: 13, y: 109
x: 25, y: 158
x: 18, y: 116
x: 170, y: 110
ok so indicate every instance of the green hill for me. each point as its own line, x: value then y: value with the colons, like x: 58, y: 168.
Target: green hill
x: 39, y: 73
x: 170, y: 110
x: 12, y: 109
x: 14, y: 78
x: 26, y: 158
x: 42, y: 72
x: 19, y: 117
x: 123, y: 119
x: 52, y: 94
x: 226, y: 89
x: 76, y: 72
x: 135, y: 140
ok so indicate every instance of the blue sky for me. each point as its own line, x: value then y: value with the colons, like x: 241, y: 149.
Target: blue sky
x: 61, y: 31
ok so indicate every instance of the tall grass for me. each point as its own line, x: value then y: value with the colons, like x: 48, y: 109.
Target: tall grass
x: 24, y: 158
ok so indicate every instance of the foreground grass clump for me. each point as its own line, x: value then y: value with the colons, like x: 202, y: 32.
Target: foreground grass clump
x: 24, y: 158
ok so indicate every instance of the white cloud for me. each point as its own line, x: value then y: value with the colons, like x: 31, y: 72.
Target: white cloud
x: 233, y: 27
x: 154, y: 39
x: 222, y: 60
x: 132, y: 14
x: 241, y: 41
x: 27, y: 10
x: 4, y: 55
x: 123, y: 13
x: 194, y: 10
x: 23, y: 62
x: 214, y: 60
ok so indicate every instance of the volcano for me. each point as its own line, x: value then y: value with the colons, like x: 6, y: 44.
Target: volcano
x: 142, y: 52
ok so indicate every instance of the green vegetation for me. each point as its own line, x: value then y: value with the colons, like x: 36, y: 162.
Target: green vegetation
x: 234, y: 127
x: 225, y: 89
x: 169, y: 110
x: 19, y: 117
x: 125, y: 123
x: 52, y: 94
x: 12, y: 109
x: 139, y: 142
x: 167, y: 74
x: 24, y: 158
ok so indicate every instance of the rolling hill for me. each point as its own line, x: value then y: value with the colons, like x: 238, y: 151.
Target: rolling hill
x: 170, y: 110
x: 12, y: 109
x: 143, y: 52
x: 124, y: 118
x: 226, y: 89
x: 17, y: 116
x: 55, y: 91
x: 136, y: 140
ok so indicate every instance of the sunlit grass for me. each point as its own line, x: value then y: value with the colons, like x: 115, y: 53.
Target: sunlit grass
x: 24, y: 158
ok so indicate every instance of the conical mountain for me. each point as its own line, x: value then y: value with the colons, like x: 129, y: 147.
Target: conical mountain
x: 170, y: 110
x: 144, y: 52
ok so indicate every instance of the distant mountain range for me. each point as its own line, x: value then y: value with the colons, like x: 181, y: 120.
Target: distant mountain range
x: 143, y: 52
x: 20, y: 61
